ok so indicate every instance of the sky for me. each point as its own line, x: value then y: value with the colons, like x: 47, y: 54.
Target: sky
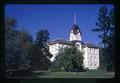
x: 57, y: 19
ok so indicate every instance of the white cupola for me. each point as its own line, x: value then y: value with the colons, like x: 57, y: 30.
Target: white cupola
x: 75, y: 33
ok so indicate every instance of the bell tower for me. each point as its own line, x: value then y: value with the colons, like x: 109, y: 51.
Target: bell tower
x: 75, y: 33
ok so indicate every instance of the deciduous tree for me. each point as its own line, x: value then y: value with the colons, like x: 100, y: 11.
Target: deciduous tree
x: 70, y: 59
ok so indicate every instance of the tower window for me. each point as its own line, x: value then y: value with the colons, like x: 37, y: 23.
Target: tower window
x: 78, y: 31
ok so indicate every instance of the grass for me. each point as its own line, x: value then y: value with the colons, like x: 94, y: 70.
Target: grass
x: 87, y: 74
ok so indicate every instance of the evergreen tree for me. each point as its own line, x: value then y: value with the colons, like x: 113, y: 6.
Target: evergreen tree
x: 105, y: 26
x: 40, y: 51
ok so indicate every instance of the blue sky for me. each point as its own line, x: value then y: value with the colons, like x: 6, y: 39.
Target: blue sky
x: 57, y: 19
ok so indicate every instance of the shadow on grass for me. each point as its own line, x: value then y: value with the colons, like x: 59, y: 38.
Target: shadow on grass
x: 25, y: 73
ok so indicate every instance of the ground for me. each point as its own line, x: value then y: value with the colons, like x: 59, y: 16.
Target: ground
x: 87, y: 74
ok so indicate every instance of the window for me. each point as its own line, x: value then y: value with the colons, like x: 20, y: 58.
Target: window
x: 52, y: 46
x: 90, y: 64
x: 61, y: 45
x: 77, y: 30
x: 72, y: 31
x: 94, y: 64
x: 96, y: 50
x: 90, y: 58
x: 94, y: 58
x: 55, y: 46
x: 91, y: 50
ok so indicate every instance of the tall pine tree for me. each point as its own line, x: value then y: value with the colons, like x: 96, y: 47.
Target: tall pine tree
x: 105, y: 28
x: 40, y: 52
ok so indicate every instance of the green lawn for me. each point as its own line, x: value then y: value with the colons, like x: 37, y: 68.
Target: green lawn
x: 87, y: 74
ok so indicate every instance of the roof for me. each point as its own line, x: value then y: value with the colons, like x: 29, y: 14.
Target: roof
x: 75, y: 27
x: 90, y: 45
x: 61, y: 41
x: 74, y: 41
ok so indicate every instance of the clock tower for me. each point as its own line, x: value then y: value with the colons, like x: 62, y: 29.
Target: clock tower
x: 75, y: 33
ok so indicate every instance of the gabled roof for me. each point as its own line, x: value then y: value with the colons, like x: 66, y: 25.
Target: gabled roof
x: 90, y: 45
x: 74, y: 41
x: 61, y: 41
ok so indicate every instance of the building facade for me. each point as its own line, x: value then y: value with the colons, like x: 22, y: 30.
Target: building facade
x: 91, y: 51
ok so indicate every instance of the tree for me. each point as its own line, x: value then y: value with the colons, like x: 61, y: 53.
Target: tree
x: 70, y: 59
x: 40, y: 51
x: 17, y: 46
x: 110, y: 48
x: 10, y: 24
x: 24, y: 46
x: 9, y: 41
x: 105, y: 28
x: 22, y: 53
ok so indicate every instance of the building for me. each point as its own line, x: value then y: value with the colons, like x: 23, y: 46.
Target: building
x: 91, y: 51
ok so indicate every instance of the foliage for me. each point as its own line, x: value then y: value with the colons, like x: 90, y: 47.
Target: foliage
x: 22, y: 53
x: 40, y: 51
x: 9, y: 42
x: 10, y: 24
x: 102, y: 59
x: 17, y: 46
x: 105, y: 28
x: 69, y: 59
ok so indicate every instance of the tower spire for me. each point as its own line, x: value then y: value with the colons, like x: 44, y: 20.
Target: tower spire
x: 74, y: 18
